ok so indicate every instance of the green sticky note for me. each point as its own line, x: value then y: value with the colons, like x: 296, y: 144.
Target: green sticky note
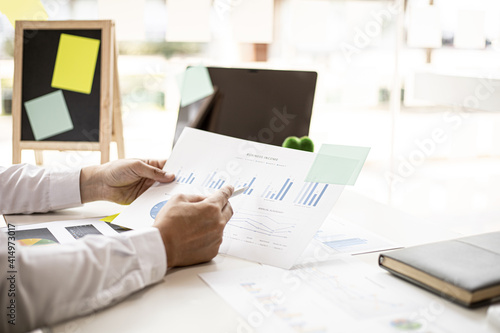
x: 196, y: 84
x: 23, y: 10
x: 48, y: 115
x: 179, y: 79
x: 75, y: 63
x: 336, y: 164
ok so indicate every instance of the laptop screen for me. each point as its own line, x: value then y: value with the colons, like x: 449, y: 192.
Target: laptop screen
x: 254, y: 104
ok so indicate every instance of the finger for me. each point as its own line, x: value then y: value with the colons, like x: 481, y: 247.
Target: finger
x: 221, y: 197
x: 195, y: 197
x: 227, y: 212
x: 160, y: 163
x: 145, y: 170
x: 156, y: 163
x: 189, y: 197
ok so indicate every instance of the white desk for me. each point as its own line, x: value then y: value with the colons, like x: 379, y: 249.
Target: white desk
x: 184, y: 303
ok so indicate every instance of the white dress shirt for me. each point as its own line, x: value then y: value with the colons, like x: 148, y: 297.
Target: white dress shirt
x: 50, y: 284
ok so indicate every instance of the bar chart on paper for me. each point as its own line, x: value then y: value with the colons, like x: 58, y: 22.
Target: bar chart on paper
x: 184, y: 177
x: 249, y: 184
x: 214, y: 180
x: 278, y: 193
x: 347, y: 243
x: 310, y: 194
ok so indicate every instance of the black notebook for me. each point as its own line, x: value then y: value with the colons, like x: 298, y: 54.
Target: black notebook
x: 465, y: 270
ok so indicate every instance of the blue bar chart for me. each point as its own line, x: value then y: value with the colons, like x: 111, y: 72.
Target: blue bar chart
x: 184, y: 177
x: 310, y: 194
x: 278, y: 194
x: 248, y: 184
x: 213, y: 181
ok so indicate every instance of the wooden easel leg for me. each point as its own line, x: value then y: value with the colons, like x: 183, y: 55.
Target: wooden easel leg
x: 104, y: 154
x: 117, y: 128
x: 39, y: 157
x: 118, y: 135
x: 16, y: 155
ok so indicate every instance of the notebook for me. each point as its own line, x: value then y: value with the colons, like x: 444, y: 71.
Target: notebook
x: 465, y: 270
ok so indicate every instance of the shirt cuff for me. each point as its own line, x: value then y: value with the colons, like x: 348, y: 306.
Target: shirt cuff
x: 64, y: 189
x: 151, y: 253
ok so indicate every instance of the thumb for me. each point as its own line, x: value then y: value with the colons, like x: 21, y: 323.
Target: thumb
x: 148, y: 171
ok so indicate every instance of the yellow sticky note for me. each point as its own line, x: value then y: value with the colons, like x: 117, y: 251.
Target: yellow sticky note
x: 110, y: 218
x: 23, y: 10
x: 75, y: 63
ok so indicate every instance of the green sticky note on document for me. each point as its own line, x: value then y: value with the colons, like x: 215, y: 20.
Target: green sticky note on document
x: 195, y: 85
x: 337, y: 164
x: 48, y: 115
x: 75, y: 63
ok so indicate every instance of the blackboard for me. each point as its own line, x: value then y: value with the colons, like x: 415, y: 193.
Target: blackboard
x: 39, y: 56
x: 91, y: 115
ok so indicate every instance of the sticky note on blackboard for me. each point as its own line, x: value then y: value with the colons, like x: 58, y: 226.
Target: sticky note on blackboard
x: 196, y: 84
x: 48, y: 115
x: 336, y: 164
x: 75, y: 63
x: 23, y: 10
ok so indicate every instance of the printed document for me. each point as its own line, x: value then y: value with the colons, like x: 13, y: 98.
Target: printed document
x: 276, y: 216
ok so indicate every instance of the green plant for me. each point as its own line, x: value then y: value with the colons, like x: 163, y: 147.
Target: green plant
x: 304, y: 143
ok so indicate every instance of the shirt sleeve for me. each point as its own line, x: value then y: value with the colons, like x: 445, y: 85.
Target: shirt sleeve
x: 53, y: 283
x: 26, y: 189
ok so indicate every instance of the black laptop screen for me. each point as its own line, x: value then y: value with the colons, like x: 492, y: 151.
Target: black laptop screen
x: 256, y: 104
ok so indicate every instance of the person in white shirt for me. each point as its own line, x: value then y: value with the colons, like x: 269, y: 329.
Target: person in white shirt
x: 41, y: 286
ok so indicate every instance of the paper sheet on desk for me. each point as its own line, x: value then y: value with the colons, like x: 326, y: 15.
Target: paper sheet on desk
x: 345, y: 295
x: 274, y: 219
x: 61, y: 232
x: 339, y: 236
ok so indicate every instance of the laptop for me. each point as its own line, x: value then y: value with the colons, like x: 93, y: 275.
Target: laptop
x: 260, y: 105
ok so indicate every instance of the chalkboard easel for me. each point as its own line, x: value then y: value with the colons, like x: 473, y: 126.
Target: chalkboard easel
x: 66, y: 94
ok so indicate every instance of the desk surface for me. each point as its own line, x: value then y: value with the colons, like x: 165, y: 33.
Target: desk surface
x: 184, y: 303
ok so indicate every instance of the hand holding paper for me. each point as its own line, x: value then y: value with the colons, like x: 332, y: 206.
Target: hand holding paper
x: 121, y: 181
x: 192, y: 225
x: 276, y: 215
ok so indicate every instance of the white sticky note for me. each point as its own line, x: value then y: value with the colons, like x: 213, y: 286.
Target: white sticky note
x: 128, y: 16
x: 469, y: 33
x: 252, y: 21
x: 188, y: 21
x: 424, y: 28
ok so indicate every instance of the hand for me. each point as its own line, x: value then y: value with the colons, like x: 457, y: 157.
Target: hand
x: 191, y: 226
x: 121, y: 181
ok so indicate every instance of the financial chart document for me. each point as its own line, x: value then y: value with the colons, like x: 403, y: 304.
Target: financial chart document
x: 274, y: 218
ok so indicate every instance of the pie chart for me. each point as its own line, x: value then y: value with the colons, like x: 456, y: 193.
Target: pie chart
x: 156, y: 208
x: 35, y: 242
